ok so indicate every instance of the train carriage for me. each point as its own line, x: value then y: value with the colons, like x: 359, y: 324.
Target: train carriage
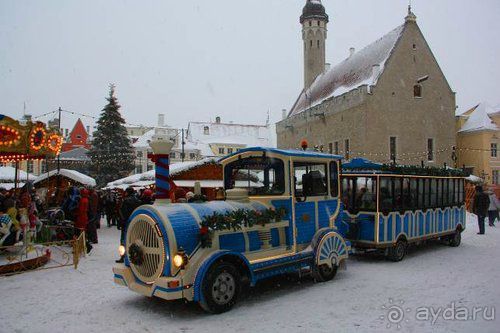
x: 389, y: 211
x: 281, y: 214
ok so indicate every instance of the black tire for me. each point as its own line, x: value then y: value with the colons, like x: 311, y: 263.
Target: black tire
x: 398, y: 251
x: 221, y: 288
x: 455, y: 239
x: 324, y: 273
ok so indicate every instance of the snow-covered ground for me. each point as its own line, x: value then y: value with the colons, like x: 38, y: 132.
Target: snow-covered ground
x: 359, y: 299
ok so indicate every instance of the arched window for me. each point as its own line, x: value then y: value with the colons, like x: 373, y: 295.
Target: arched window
x: 310, y: 23
x: 417, y: 90
x: 206, y: 130
x: 310, y: 43
x: 317, y: 42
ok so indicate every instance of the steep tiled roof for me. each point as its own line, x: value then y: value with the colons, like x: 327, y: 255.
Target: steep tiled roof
x: 353, y: 72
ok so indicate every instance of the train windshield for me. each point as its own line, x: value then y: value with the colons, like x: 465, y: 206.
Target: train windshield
x: 259, y: 175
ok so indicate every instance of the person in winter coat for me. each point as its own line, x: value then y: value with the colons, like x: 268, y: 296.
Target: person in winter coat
x: 493, y: 208
x: 82, y: 218
x: 480, y: 207
x: 93, y: 216
x: 70, y: 203
x: 147, y: 197
x: 130, y: 203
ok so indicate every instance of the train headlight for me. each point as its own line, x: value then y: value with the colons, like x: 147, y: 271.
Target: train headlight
x: 180, y: 259
x: 121, y: 250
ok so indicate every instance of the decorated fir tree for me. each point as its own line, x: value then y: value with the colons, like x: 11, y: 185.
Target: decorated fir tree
x: 111, y: 155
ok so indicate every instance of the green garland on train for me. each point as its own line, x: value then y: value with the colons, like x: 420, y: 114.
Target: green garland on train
x: 236, y: 220
x: 423, y: 171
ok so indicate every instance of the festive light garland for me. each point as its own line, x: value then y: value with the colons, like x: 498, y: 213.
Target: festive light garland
x: 9, y: 135
x: 37, y: 138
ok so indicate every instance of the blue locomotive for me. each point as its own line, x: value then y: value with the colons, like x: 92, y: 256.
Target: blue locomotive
x: 283, y: 213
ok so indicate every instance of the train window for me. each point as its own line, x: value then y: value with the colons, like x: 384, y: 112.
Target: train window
x: 446, y: 192
x: 439, y: 202
x: 386, y: 194
x: 334, y: 179
x: 461, y: 192
x: 433, y: 192
x: 259, y: 175
x: 456, y: 200
x: 347, y: 193
x: 359, y: 194
x: 310, y: 179
x: 366, y: 194
x: 398, y: 195
x: 427, y: 198
x: 412, y: 203
x: 421, y: 193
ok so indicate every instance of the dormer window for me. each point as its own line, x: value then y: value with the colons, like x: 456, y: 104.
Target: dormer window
x: 417, y: 91
x: 79, y: 137
x: 206, y: 130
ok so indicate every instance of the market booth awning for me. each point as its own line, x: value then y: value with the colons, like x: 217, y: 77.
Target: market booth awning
x: 73, y: 175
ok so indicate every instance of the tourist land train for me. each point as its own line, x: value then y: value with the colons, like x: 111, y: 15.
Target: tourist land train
x: 285, y: 211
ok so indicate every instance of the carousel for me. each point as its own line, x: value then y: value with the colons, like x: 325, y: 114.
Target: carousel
x: 19, y: 226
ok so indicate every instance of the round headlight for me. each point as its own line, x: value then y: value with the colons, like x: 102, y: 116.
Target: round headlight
x: 121, y: 250
x: 178, y: 260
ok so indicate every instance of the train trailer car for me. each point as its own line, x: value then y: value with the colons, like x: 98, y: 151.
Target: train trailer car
x: 389, y: 211
x: 281, y: 215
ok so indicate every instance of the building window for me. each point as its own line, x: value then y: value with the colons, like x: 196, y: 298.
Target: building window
x: 319, y: 23
x: 150, y: 167
x: 417, y: 91
x: 310, y: 23
x: 414, y: 46
x: 430, y: 150
x: 311, y: 43
x: 330, y: 148
x: 29, y: 167
x: 494, y: 177
x: 172, y: 154
x: 346, y: 146
x: 392, y: 148
x: 336, y: 147
x: 221, y: 150
x: 139, y: 154
x: 206, y: 130
x: 79, y: 137
x: 138, y: 169
x: 43, y: 167
x: 192, y: 156
x: 494, y: 150
x: 317, y: 43
x: 229, y: 150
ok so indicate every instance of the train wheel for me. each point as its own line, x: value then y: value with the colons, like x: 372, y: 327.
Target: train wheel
x: 455, y: 239
x: 398, y: 251
x: 221, y: 288
x: 324, y: 272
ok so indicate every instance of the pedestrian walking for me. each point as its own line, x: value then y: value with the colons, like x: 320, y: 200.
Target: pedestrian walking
x: 130, y: 203
x: 480, y: 207
x: 493, y: 208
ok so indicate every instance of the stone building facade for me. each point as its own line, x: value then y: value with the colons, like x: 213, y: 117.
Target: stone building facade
x: 389, y: 101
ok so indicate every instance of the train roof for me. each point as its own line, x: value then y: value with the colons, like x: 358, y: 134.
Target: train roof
x: 286, y: 152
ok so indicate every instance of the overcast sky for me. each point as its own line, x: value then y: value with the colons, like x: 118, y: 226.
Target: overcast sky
x: 197, y: 59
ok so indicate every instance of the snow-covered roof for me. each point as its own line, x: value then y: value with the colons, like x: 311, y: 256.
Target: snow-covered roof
x: 71, y: 174
x: 362, y: 68
x: 8, y: 174
x: 148, y: 177
x: 77, y: 154
x: 246, y: 135
x: 478, y: 119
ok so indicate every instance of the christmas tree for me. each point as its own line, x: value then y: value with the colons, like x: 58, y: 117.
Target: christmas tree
x: 112, y: 155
